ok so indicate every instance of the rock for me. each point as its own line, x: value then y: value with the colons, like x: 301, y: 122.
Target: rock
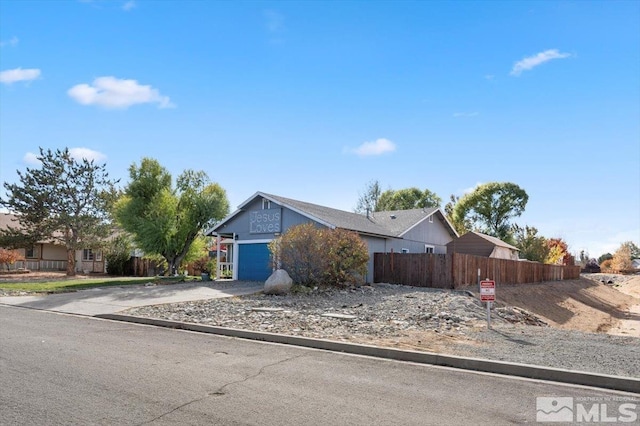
x: 339, y: 316
x: 278, y: 283
x: 267, y: 309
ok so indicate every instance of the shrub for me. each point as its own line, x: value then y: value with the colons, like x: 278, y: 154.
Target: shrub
x: 606, y: 265
x: 622, y: 259
x: 347, y: 257
x: 299, y: 252
x: 117, y: 255
x: 199, y: 266
x: 9, y: 257
x: 314, y: 256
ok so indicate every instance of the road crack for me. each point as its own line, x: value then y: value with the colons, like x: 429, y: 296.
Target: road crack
x: 221, y: 390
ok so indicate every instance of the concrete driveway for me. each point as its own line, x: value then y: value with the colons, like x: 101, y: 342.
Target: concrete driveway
x: 110, y: 300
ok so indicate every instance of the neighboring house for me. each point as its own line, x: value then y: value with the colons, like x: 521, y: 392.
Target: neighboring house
x: 635, y: 263
x: 483, y: 245
x: 263, y: 217
x: 52, y: 256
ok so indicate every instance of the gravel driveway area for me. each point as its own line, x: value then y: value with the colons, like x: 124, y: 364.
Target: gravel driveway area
x: 403, y: 317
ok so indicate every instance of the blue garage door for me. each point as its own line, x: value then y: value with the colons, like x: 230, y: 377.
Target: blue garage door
x: 253, y: 262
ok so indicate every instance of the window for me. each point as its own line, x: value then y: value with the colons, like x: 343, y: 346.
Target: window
x: 405, y: 250
x: 87, y: 254
x: 428, y: 248
x: 266, y: 204
x: 431, y: 219
x: 31, y: 252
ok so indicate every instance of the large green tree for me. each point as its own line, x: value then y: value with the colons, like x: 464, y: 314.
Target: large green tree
x: 460, y: 227
x: 531, y: 245
x: 406, y: 199
x: 165, y: 220
x: 490, y: 208
x: 64, y: 200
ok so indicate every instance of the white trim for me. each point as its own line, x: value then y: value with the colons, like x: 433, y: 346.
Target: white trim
x: 262, y: 241
x: 300, y: 212
x: 442, y: 217
x: 236, y: 252
x: 234, y: 274
x: 417, y: 223
x: 429, y: 246
x: 273, y: 200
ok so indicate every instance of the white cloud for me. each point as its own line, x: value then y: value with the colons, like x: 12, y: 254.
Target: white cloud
x: 611, y: 243
x: 31, y: 159
x: 76, y: 153
x: 489, y: 77
x: 111, y: 92
x: 88, y: 154
x: 471, y: 189
x: 13, y: 41
x: 531, y: 62
x: 129, y: 5
x: 378, y: 147
x: 466, y: 114
x: 18, y: 74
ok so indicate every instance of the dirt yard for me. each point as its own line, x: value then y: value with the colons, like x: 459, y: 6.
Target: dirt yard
x: 586, y: 304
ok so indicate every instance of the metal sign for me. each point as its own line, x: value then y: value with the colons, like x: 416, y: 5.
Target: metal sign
x: 487, y: 291
x: 487, y: 294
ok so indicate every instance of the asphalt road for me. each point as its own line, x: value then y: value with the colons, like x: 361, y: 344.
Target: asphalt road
x: 64, y: 369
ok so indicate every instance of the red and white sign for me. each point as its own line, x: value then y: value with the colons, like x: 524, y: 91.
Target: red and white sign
x: 487, y: 291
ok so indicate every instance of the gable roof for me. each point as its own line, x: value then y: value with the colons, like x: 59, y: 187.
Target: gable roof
x: 7, y: 220
x: 493, y: 240
x: 388, y: 224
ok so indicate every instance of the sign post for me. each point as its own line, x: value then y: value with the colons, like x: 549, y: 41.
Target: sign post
x: 488, y: 294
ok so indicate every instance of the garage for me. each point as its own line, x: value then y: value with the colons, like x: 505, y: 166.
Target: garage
x: 254, y: 262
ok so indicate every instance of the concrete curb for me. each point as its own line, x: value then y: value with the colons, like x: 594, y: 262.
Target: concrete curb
x: 627, y: 384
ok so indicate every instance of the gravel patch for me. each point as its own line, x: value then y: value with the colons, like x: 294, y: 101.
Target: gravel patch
x: 404, y: 317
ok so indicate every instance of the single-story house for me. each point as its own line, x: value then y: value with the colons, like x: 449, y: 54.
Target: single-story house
x: 51, y: 255
x: 478, y: 244
x: 263, y: 217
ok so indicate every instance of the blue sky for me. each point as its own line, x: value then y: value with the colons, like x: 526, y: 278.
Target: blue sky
x: 312, y: 100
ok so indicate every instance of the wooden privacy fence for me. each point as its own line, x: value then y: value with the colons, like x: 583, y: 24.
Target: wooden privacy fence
x: 458, y: 270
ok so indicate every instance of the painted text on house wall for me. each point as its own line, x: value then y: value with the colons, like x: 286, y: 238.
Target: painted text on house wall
x: 264, y: 221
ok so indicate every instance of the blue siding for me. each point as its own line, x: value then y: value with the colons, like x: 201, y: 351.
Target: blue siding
x: 253, y: 262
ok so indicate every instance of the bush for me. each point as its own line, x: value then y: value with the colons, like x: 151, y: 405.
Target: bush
x: 622, y: 259
x: 9, y: 257
x: 347, y: 257
x: 315, y: 256
x: 117, y: 255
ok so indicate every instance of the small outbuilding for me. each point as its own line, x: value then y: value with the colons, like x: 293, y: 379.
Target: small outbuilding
x: 478, y: 244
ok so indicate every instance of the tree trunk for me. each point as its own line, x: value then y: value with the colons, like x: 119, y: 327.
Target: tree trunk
x: 71, y: 262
